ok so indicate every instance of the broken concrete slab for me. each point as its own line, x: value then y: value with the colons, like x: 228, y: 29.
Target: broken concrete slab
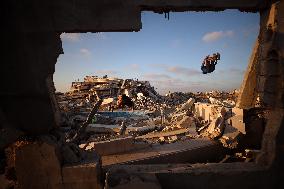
x: 196, y: 150
x: 206, y: 111
x: 164, y: 134
x: 114, y: 146
x: 186, y: 122
x: 231, y: 137
x: 187, y: 105
x: 142, y: 130
x: 216, y: 128
x: 172, y: 176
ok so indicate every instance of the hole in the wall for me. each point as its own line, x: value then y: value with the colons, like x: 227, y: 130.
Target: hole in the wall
x: 167, y: 52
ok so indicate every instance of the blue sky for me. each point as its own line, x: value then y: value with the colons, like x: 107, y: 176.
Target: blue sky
x: 168, y: 53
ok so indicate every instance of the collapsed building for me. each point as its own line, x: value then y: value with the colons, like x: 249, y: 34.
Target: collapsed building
x: 35, y: 153
x: 103, y: 86
x: 110, y: 87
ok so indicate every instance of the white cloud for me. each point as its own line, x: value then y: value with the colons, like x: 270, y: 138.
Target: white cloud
x: 156, y: 76
x: 178, y: 70
x: 73, y: 37
x: 85, y: 52
x: 216, y: 35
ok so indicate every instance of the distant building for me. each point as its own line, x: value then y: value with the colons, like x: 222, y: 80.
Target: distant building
x: 110, y: 87
x: 103, y: 86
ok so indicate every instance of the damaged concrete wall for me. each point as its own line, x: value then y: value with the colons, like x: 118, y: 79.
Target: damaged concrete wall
x: 248, y: 92
x: 25, y: 96
x: 271, y: 82
x: 265, y: 79
x: 31, y: 41
x: 271, y: 73
x: 31, y: 30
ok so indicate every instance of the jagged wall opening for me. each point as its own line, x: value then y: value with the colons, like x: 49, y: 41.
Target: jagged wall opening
x: 32, y: 29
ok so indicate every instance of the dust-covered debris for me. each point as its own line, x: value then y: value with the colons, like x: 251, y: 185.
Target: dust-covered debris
x: 133, y: 108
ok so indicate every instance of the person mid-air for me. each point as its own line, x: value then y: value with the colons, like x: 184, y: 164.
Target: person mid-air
x: 209, y: 63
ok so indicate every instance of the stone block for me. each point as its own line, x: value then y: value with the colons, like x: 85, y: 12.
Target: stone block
x: 237, y: 122
x: 83, y: 176
x: 37, y: 166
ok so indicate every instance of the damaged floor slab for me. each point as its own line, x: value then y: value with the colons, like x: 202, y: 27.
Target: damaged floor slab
x: 197, y: 150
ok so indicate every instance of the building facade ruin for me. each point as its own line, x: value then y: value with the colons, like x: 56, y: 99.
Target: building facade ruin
x: 31, y: 41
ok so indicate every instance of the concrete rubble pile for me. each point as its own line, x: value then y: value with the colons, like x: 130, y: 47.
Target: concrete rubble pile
x: 175, y: 128
x: 155, y: 120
